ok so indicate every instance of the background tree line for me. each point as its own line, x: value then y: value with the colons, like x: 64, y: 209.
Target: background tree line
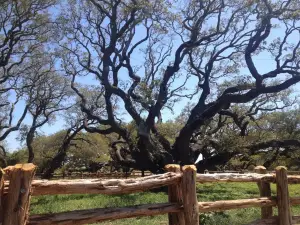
x: 111, y: 71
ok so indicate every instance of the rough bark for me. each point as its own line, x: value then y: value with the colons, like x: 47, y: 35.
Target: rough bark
x: 212, y: 162
x: 29, y: 140
x: 61, y: 154
x: 55, y: 163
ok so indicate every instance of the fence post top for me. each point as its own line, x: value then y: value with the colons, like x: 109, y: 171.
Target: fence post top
x: 172, y: 166
x: 25, y: 167
x: 260, y: 168
x: 189, y: 167
x: 278, y: 168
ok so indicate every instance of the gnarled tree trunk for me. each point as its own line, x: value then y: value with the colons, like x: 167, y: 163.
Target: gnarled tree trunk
x: 54, y: 164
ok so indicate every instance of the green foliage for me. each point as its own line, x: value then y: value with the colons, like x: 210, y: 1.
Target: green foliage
x: 85, y: 149
x: 88, y: 148
x: 169, y: 130
x: 17, y: 157
x: 53, y: 204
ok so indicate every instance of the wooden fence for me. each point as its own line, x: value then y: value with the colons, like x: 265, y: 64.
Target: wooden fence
x: 107, y: 175
x: 182, y: 207
x: 289, y: 172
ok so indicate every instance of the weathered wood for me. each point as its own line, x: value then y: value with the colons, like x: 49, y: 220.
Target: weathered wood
x: 283, y: 201
x: 235, y: 177
x: 98, y: 215
x: 249, y: 177
x: 265, y: 191
x: 7, y: 171
x: 17, y: 200
x: 175, y: 196
x: 235, y: 204
x: 1, y: 194
x: 100, y: 186
x: 42, y: 187
x: 241, y: 203
x: 190, y: 202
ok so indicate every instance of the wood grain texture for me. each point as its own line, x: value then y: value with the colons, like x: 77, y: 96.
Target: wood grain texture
x: 175, y: 196
x: 283, y: 201
x: 17, y: 201
x: 190, y: 202
x: 265, y: 191
x: 98, y: 186
x: 80, y: 217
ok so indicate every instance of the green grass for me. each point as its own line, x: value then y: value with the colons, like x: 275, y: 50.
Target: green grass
x: 205, y: 192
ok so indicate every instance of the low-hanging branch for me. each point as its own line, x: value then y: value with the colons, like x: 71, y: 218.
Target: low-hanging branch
x: 272, y: 144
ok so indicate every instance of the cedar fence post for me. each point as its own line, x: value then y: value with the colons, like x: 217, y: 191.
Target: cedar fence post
x: 175, y: 195
x: 265, y: 191
x: 1, y: 194
x: 17, y: 200
x: 283, y: 200
x: 190, y: 202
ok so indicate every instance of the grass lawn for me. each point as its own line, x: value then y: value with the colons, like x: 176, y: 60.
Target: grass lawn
x: 205, y: 192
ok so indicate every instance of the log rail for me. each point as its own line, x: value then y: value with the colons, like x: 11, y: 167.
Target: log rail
x: 182, y: 207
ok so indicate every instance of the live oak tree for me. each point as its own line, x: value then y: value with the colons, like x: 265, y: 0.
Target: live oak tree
x: 271, y: 140
x: 46, y: 92
x: 85, y: 152
x: 24, y: 27
x: 145, y: 53
x: 238, y: 132
x: 76, y: 122
x: 3, y: 155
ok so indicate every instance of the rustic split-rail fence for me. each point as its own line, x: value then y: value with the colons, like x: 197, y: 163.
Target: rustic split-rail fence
x: 107, y: 175
x: 17, y: 185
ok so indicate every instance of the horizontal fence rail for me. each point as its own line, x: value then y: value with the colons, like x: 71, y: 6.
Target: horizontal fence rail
x: 98, y: 215
x: 250, y: 177
x: 80, y: 217
x: 96, y: 186
x: 110, y: 186
x: 82, y: 175
x: 289, y: 172
x: 241, y: 203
